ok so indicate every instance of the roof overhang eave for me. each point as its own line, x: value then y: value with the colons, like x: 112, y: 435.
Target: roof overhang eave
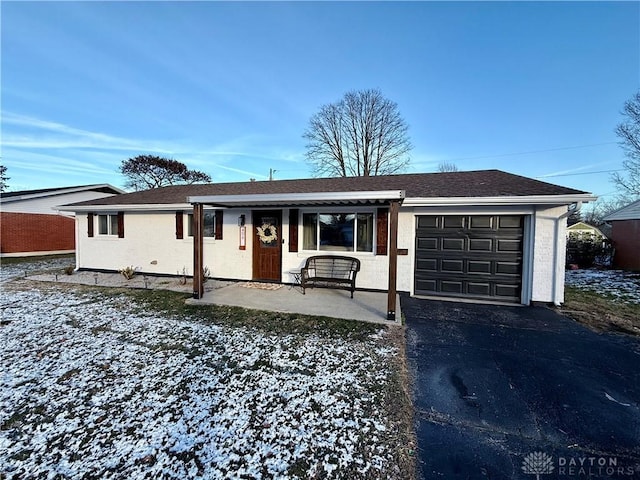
x: 503, y: 200
x: 141, y: 207
x: 318, y: 198
x: 60, y: 191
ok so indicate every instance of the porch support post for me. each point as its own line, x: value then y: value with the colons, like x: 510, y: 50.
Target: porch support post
x: 198, y: 284
x: 394, y: 207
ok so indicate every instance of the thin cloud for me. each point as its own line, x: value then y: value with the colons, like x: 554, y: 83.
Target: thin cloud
x: 59, y: 135
x: 27, y: 138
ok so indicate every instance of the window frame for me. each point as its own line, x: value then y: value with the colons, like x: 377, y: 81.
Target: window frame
x: 333, y: 211
x: 189, y: 225
x: 112, y: 221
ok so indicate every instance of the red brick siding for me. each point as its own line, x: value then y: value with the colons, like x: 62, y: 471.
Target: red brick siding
x: 30, y: 232
x: 626, y: 240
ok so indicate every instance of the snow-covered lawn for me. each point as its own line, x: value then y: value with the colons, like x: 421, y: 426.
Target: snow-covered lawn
x: 92, y: 385
x: 13, y: 268
x: 624, y: 286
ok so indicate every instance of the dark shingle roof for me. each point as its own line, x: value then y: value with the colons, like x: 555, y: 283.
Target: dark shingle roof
x: 481, y: 183
x: 101, y: 187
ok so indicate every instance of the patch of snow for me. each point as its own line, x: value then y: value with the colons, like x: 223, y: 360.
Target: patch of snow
x: 90, y: 388
x: 9, y: 271
x: 624, y: 286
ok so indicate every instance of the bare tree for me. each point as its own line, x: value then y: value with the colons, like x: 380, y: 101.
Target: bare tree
x: 447, y: 167
x: 361, y: 135
x: 3, y: 178
x: 629, y: 133
x: 594, y: 213
x: 150, y: 171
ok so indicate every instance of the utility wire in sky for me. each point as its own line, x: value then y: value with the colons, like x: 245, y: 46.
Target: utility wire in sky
x: 527, y: 152
x: 581, y: 173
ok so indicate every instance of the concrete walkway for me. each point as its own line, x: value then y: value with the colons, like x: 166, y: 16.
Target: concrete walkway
x: 365, y: 306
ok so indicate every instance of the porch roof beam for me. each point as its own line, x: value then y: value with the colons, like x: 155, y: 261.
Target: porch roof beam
x: 273, y: 199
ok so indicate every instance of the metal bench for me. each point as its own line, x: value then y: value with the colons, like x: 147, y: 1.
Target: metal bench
x: 331, y: 271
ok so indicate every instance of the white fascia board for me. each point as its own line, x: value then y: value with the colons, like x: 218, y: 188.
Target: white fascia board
x: 61, y: 191
x: 151, y: 207
x: 511, y: 200
x: 297, y: 198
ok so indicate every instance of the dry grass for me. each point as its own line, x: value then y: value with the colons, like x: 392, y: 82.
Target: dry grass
x: 601, y: 312
x: 398, y: 404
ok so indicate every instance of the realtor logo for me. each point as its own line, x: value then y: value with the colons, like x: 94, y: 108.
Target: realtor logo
x: 538, y: 463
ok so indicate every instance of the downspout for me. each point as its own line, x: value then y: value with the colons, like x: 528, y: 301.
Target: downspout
x: 574, y: 208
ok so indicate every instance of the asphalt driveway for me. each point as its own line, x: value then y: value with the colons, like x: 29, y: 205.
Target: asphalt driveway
x: 521, y: 392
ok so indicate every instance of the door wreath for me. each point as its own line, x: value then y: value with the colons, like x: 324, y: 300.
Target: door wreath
x: 267, y: 233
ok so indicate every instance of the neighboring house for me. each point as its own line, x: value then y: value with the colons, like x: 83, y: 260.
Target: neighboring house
x: 583, y: 230
x: 486, y: 235
x: 30, y: 224
x: 625, y: 235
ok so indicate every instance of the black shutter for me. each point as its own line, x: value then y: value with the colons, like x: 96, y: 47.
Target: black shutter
x: 293, y: 230
x: 218, y: 220
x: 120, y: 224
x: 90, y: 223
x: 179, y: 226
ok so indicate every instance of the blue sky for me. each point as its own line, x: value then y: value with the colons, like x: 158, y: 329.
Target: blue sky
x: 228, y: 88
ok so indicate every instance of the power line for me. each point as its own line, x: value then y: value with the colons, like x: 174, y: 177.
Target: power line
x: 583, y: 173
x: 527, y: 152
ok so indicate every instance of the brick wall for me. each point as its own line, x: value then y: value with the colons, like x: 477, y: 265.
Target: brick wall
x: 626, y: 240
x: 29, y: 232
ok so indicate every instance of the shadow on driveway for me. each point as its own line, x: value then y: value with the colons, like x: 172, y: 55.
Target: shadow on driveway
x: 493, y: 385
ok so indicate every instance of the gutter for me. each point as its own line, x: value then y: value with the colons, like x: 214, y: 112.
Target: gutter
x: 511, y: 200
x: 147, y: 207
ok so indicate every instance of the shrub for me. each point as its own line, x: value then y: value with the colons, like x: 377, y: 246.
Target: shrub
x: 588, y: 251
x: 128, y: 272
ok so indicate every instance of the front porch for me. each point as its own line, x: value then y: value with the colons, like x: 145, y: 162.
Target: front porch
x: 267, y: 211
x: 365, y: 306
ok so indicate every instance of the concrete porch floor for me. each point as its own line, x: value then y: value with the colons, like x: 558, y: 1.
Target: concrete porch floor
x: 365, y: 306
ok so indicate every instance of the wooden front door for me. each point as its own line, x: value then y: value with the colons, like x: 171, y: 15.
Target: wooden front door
x: 267, y: 245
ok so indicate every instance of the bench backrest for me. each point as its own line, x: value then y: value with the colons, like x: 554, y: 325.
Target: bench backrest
x: 332, y: 266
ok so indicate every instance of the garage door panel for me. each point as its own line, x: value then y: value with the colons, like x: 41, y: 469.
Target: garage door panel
x: 481, y: 244
x: 509, y: 222
x: 509, y: 245
x: 453, y: 244
x: 479, y: 266
x: 427, y: 243
x: 481, y: 222
x: 509, y: 268
x: 452, y: 221
x: 426, y: 285
x: 427, y: 264
x: 451, y: 286
x: 428, y: 222
x: 479, y: 289
x: 448, y: 265
x: 478, y: 256
x: 507, y: 291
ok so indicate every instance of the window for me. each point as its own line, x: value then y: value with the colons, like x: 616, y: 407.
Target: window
x: 209, y: 225
x: 346, y: 232
x: 108, y: 224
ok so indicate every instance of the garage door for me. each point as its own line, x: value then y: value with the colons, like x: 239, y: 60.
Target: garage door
x: 469, y: 256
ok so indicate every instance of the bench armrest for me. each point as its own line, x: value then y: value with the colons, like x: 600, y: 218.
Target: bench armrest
x: 304, y: 273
